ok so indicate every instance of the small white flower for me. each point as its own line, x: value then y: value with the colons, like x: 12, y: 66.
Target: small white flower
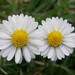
x: 58, y: 37
x: 18, y: 37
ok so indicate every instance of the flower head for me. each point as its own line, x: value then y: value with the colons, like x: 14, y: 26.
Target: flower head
x: 18, y: 38
x: 58, y: 37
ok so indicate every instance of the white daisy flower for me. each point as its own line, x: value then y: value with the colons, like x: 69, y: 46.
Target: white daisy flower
x: 18, y: 37
x: 58, y: 37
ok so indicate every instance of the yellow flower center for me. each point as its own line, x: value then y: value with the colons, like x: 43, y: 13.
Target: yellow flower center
x: 20, y: 38
x: 55, y: 38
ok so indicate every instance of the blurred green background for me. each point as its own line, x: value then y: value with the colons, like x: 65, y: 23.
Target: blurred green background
x: 40, y: 9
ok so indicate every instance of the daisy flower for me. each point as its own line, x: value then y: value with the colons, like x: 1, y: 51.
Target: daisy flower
x: 58, y: 37
x: 18, y: 38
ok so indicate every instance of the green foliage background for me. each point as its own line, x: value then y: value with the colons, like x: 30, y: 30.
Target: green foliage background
x: 40, y: 9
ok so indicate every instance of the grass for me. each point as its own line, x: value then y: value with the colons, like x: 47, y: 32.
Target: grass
x: 40, y: 9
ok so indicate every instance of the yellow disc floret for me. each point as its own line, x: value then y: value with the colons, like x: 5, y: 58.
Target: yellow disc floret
x: 20, y: 38
x: 55, y: 38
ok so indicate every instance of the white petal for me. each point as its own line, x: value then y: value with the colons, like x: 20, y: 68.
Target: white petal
x: 50, y: 53
x: 59, y: 23
x: 42, y: 48
x: 37, y: 34
x: 4, y: 41
x: 45, y: 26
x: 3, y: 29
x: 27, y: 21
x: 45, y: 52
x: 1, y: 25
x: 62, y: 25
x: 61, y: 53
x: 3, y: 46
x: 49, y: 24
x: 58, y: 53
x: 69, y: 44
x: 61, y: 28
x: 18, y: 55
x: 7, y: 51
x: 55, y: 22
x: 20, y: 21
x: 54, y: 57
x: 70, y: 50
x: 72, y: 40
x: 72, y: 35
x: 1, y: 52
x: 32, y: 27
x: 64, y: 50
x: 40, y: 27
x: 67, y: 30
x: 32, y: 54
x: 17, y: 21
x: 36, y: 42
x: 12, y: 53
x: 12, y: 20
x: 4, y: 35
x: 33, y: 49
x: 21, y: 58
x: 26, y: 54
x: 7, y: 26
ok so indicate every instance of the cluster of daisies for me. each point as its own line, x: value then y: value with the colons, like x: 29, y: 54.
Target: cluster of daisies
x: 22, y: 37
